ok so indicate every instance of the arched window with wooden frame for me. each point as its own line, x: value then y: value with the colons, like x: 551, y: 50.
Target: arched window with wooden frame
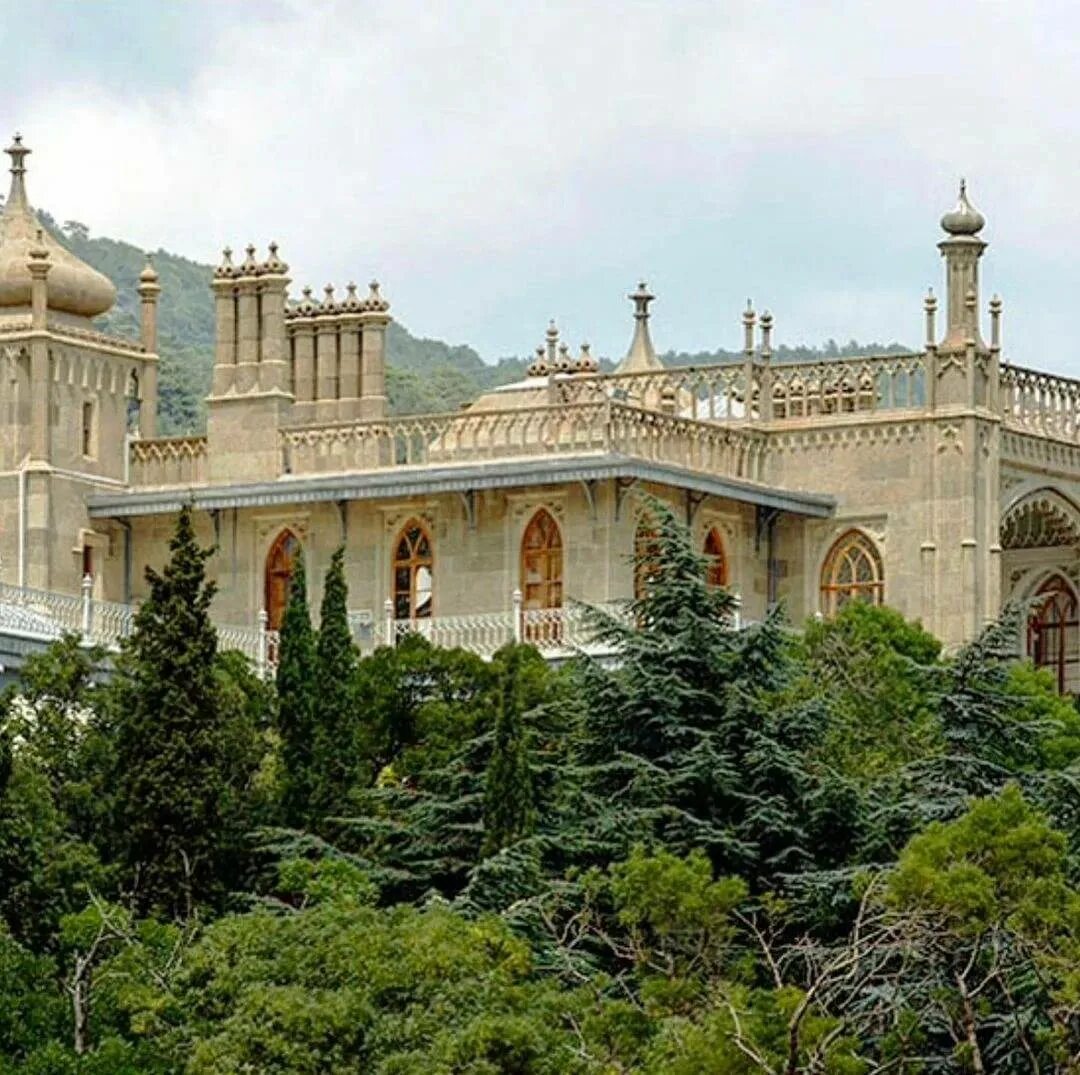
x: 716, y: 572
x: 852, y: 571
x: 413, y: 576
x: 279, y: 568
x: 1053, y: 630
x: 646, y: 555
x: 542, y: 577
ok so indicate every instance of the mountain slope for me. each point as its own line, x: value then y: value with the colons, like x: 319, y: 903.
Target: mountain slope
x: 423, y: 375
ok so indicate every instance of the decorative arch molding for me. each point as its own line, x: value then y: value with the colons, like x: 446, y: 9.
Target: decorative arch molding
x: 852, y: 570
x: 1040, y: 518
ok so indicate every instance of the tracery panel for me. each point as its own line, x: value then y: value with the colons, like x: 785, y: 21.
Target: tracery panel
x: 852, y: 571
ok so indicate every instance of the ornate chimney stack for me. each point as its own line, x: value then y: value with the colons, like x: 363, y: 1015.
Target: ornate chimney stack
x: 962, y: 251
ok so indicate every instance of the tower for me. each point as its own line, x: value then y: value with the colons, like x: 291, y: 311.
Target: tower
x: 961, y: 554
x: 66, y: 391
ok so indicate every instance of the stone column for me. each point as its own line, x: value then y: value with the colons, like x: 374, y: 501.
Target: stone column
x: 225, y: 342
x: 40, y: 382
x: 149, y: 290
x: 326, y: 360
x: 274, y: 367
x: 349, y: 386
x: 373, y: 322
x: 249, y: 300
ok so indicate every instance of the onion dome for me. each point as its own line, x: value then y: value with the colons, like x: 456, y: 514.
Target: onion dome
x: 965, y: 219
x: 73, y: 287
x: 149, y: 273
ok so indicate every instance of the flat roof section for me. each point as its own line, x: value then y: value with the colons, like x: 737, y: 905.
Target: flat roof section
x: 415, y: 481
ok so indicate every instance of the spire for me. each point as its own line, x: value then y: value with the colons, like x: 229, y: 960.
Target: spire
x: 962, y: 249
x: 17, y: 200
x: 642, y: 355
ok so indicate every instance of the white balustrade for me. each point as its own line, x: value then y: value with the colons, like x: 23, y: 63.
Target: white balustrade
x: 1040, y: 403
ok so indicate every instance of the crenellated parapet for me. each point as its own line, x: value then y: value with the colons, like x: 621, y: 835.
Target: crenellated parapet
x: 337, y: 354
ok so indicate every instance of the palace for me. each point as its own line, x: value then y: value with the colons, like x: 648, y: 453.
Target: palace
x: 943, y: 482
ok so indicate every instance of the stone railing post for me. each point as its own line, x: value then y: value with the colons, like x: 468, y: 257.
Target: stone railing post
x: 261, y: 648
x: 87, y: 604
x: 517, y: 601
x: 388, y: 617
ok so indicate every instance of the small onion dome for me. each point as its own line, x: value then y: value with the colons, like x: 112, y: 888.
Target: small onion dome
x: 965, y: 219
x: 149, y: 274
x: 73, y: 287
x: 586, y: 362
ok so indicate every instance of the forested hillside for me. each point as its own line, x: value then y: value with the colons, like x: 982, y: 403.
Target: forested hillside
x: 424, y: 375
x: 735, y: 852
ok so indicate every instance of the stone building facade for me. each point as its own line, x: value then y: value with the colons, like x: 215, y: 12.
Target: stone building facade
x: 942, y: 482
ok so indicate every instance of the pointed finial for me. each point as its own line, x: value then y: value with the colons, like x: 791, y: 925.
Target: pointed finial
x: 273, y: 263
x: 641, y: 299
x: 149, y: 274
x: 18, y: 154
x: 39, y: 252
x: 226, y: 268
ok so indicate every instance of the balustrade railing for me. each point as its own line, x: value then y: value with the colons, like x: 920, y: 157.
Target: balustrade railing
x: 569, y: 429
x: 1040, y: 403
x: 168, y: 461
x: 846, y: 385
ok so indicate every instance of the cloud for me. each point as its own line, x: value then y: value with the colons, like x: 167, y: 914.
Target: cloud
x: 497, y: 163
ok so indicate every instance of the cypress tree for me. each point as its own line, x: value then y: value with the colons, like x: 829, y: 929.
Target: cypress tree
x: 336, y: 661
x: 509, y: 811
x: 170, y: 763
x: 296, y: 697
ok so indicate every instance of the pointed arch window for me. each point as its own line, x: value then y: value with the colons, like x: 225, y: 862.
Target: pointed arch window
x: 279, y: 568
x: 646, y: 554
x: 1053, y: 630
x: 413, y: 572
x: 852, y: 572
x: 542, y: 578
x: 716, y: 572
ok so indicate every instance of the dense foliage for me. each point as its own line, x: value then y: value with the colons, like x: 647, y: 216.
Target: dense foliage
x: 729, y: 851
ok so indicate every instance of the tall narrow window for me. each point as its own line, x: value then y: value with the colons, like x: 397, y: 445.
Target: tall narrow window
x: 852, y: 572
x: 542, y: 578
x: 1053, y: 630
x: 88, y: 428
x: 413, y: 573
x: 716, y: 572
x: 279, y: 568
x: 646, y: 555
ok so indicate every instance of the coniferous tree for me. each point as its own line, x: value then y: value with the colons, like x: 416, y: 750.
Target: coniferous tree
x: 509, y: 810
x: 169, y: 775
x: 296, y: 690
x: 336, y: 661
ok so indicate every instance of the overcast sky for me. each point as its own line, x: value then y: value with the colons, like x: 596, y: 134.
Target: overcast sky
x: 497, y: 164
